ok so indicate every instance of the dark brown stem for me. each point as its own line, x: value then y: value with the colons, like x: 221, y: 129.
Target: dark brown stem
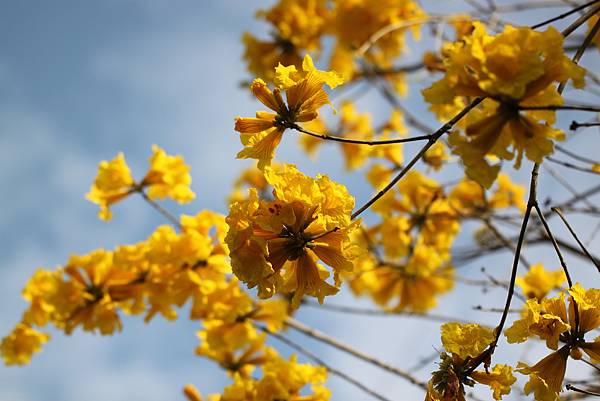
x: 434, y: 137
x: 583, y: 248
x: 379, y: 312
x: 317, y: 335
x: 360, y: 141
x: 578, y: 390
x: 564, y: 15
x: 579, y: 107
x: 572, y: 166
x: 319, y: 361
x: 562, y: 263
x: 161, y: 210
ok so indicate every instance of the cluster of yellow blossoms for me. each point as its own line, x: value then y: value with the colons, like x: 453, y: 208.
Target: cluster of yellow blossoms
x: 171, y: 269
x: 417, y: 226
x: 292, y: 236
x: 301, y: 26
x: 463, y: 345
x: 563, y: 327
x: 167, y: 177
x: 304, y: 94
x: 515, y: 69
x: 276, y: 244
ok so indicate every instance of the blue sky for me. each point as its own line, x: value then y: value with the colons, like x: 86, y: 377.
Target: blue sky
x: 82, y: 81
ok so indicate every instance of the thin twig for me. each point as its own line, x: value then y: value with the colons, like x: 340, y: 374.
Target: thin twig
x: 319, y: 361
x: 161, y: 210
x: 583, y: 248
x: 379, y: 312
x: 572, y: 166
x: 575, y: 155
x: 575, y: 125
x: 360, y: 141
x: 578, y: 390
x: 564, y: 15
x: 561, y: 259
x: 579, y: 107
x: 434, y: 137
x: 317, y: 335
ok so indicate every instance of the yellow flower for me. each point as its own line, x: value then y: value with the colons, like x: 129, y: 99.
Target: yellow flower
x: 548, y: 320
x: 466, y: 340
x: 21, y: 343
x: 514, y: 69
x: 297, y: 26
x: 546, y: 376
x: 301, y: 22
x: 436, y: 156
x: 355, y: 126
x: 354, y: 22
x: 112, y: 184
x: 276, y: 244
x: 237, y: 347
x: 508, y: 194
x: 500, y: 379
x: 283, y: 379
x: 42, y: 283
x: 304, y: 94
x: 469, y: 197
x: 538, y: 282
x: 168, y: 177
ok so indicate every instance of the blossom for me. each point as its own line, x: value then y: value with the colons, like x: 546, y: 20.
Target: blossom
x: 514, y: 69
x: 470, y: 198
x: 354, y: 22
x: 464, y: 344
x: 113, y: 183
x: 466, y: 340
x: 549, y: 320
x: 21, y: 343
x: 500, y: 379
x: 168, y: 176
x: 276, y: 244
x: 297, y: 26
x: 546, y: 376
x: 538, y: 282
x: 304, y: 94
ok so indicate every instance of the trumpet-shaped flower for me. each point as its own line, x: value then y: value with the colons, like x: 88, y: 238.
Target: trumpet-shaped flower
x: 276, y: 245
x: 304, y: 94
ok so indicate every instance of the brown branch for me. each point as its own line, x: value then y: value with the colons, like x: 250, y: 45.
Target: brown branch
x: 579, y: 107
x: 160, y: 209
x: 575, y: 125
x: 583, y: 248
x: 563, y: 264
x: 572, y: 166
x: 379, y: 312
x: 578, y: 390
x: 319, y: 361
x: 360, y: 141
x: 434, y: 137
x: 317, y: 335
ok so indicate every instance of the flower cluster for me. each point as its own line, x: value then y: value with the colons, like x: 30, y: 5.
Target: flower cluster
x: 464, y: 345
x: 300, y: 26
x: 167, y: 177
x: 564, y: 333
x: 515, y: 69
x: 276, y: 244
x: 304, y: 94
